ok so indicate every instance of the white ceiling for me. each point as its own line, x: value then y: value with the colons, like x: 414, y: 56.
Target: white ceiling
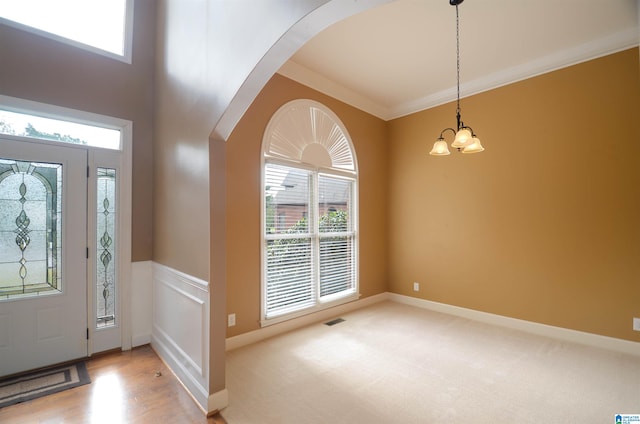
x: 399, y: 58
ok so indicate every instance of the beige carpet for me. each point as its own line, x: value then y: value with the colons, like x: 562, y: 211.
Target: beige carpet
x: 392, y: 363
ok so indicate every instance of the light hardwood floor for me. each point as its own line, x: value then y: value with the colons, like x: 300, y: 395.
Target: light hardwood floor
x: 126, y: 387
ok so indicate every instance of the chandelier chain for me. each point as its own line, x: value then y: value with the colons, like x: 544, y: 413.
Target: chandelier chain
x: 458, y: 62
x: 465, y: 140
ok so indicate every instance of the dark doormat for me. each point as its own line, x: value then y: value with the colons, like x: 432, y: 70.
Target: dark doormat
x: 42, y: 382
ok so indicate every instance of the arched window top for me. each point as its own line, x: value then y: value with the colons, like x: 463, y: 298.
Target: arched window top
x: 308, y: 132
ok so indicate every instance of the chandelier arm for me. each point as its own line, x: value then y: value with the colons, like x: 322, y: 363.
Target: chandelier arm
x: 468, y: 128
x: 445, y: 130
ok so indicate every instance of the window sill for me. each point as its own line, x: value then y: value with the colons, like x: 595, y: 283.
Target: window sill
x: 320, y: 306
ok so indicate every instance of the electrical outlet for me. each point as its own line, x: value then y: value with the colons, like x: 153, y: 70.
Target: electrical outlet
x: 416, y: 286
x: 231, y: 320
x: 636, y: 324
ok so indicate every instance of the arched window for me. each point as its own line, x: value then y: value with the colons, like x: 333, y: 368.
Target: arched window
x: 310, y: 213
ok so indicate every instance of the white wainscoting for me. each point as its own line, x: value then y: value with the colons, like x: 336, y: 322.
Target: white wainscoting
x: 141, y: 302
x: 180, y: 332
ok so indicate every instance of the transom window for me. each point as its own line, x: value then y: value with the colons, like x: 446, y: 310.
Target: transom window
x: 25, y: 124
x: 310, y: 246
x: 99, y: 25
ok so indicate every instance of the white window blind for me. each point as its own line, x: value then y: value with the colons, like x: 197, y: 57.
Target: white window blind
x: 336, y: 254
x: 289, y: 268
x: 309, y: 238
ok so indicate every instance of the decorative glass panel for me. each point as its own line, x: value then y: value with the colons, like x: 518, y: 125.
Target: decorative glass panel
x: 105, y: 258
x: 30, y: 228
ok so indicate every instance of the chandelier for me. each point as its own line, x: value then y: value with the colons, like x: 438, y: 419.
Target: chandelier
x: 465, y: 140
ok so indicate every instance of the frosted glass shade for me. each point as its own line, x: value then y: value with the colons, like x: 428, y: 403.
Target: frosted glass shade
x: 440, y: 148
x: 463, y: 138
x: 474, y: 146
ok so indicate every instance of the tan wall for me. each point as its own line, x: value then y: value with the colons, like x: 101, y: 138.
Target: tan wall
x: 244, y: 193
x: 210, y: 64
x: 543, y: 225
x: 39, y: 69
x: 183, y: 121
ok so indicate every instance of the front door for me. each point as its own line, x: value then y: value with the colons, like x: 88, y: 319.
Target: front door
x: 43, y: 255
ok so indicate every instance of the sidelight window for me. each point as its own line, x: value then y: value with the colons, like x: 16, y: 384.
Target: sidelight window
x: 106, y: 255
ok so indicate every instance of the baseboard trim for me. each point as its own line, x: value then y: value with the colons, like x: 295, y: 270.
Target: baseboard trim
x: 217, y: 401
x: 141, y: 302
x: 191, y: 385
x: 589, y: 339
x: 285, y: 326
x: 141, y: 340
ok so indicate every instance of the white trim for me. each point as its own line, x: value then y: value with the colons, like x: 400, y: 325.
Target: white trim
x: 182, y: 344
x: 124, y: 231
x: 128, y: 34
x: 319, y: 306
x: 217, y: 401
x: 170, y: 346
x: 45, y: 110
x: 558, y: 333
x: 605, y: 46
x: 174, y: 362
x: 315, y: 19
x: 121, y: 334
x: 292, y: 324
x: 573, y: 336
x: 303, y: 75
x: 141, y: 303
x: 166, y: 272
x: 622, y: 40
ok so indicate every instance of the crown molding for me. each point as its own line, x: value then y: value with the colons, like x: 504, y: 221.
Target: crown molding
x: 622, y: 40
x: 318, y: 82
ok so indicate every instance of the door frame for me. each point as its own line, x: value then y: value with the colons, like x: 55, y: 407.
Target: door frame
x: 124, y: 188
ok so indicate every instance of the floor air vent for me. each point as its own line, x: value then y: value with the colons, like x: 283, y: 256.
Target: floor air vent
x: 334, y: 322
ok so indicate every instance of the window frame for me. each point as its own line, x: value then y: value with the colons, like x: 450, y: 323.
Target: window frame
x: 331, y: 300
x: 48, y: 111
